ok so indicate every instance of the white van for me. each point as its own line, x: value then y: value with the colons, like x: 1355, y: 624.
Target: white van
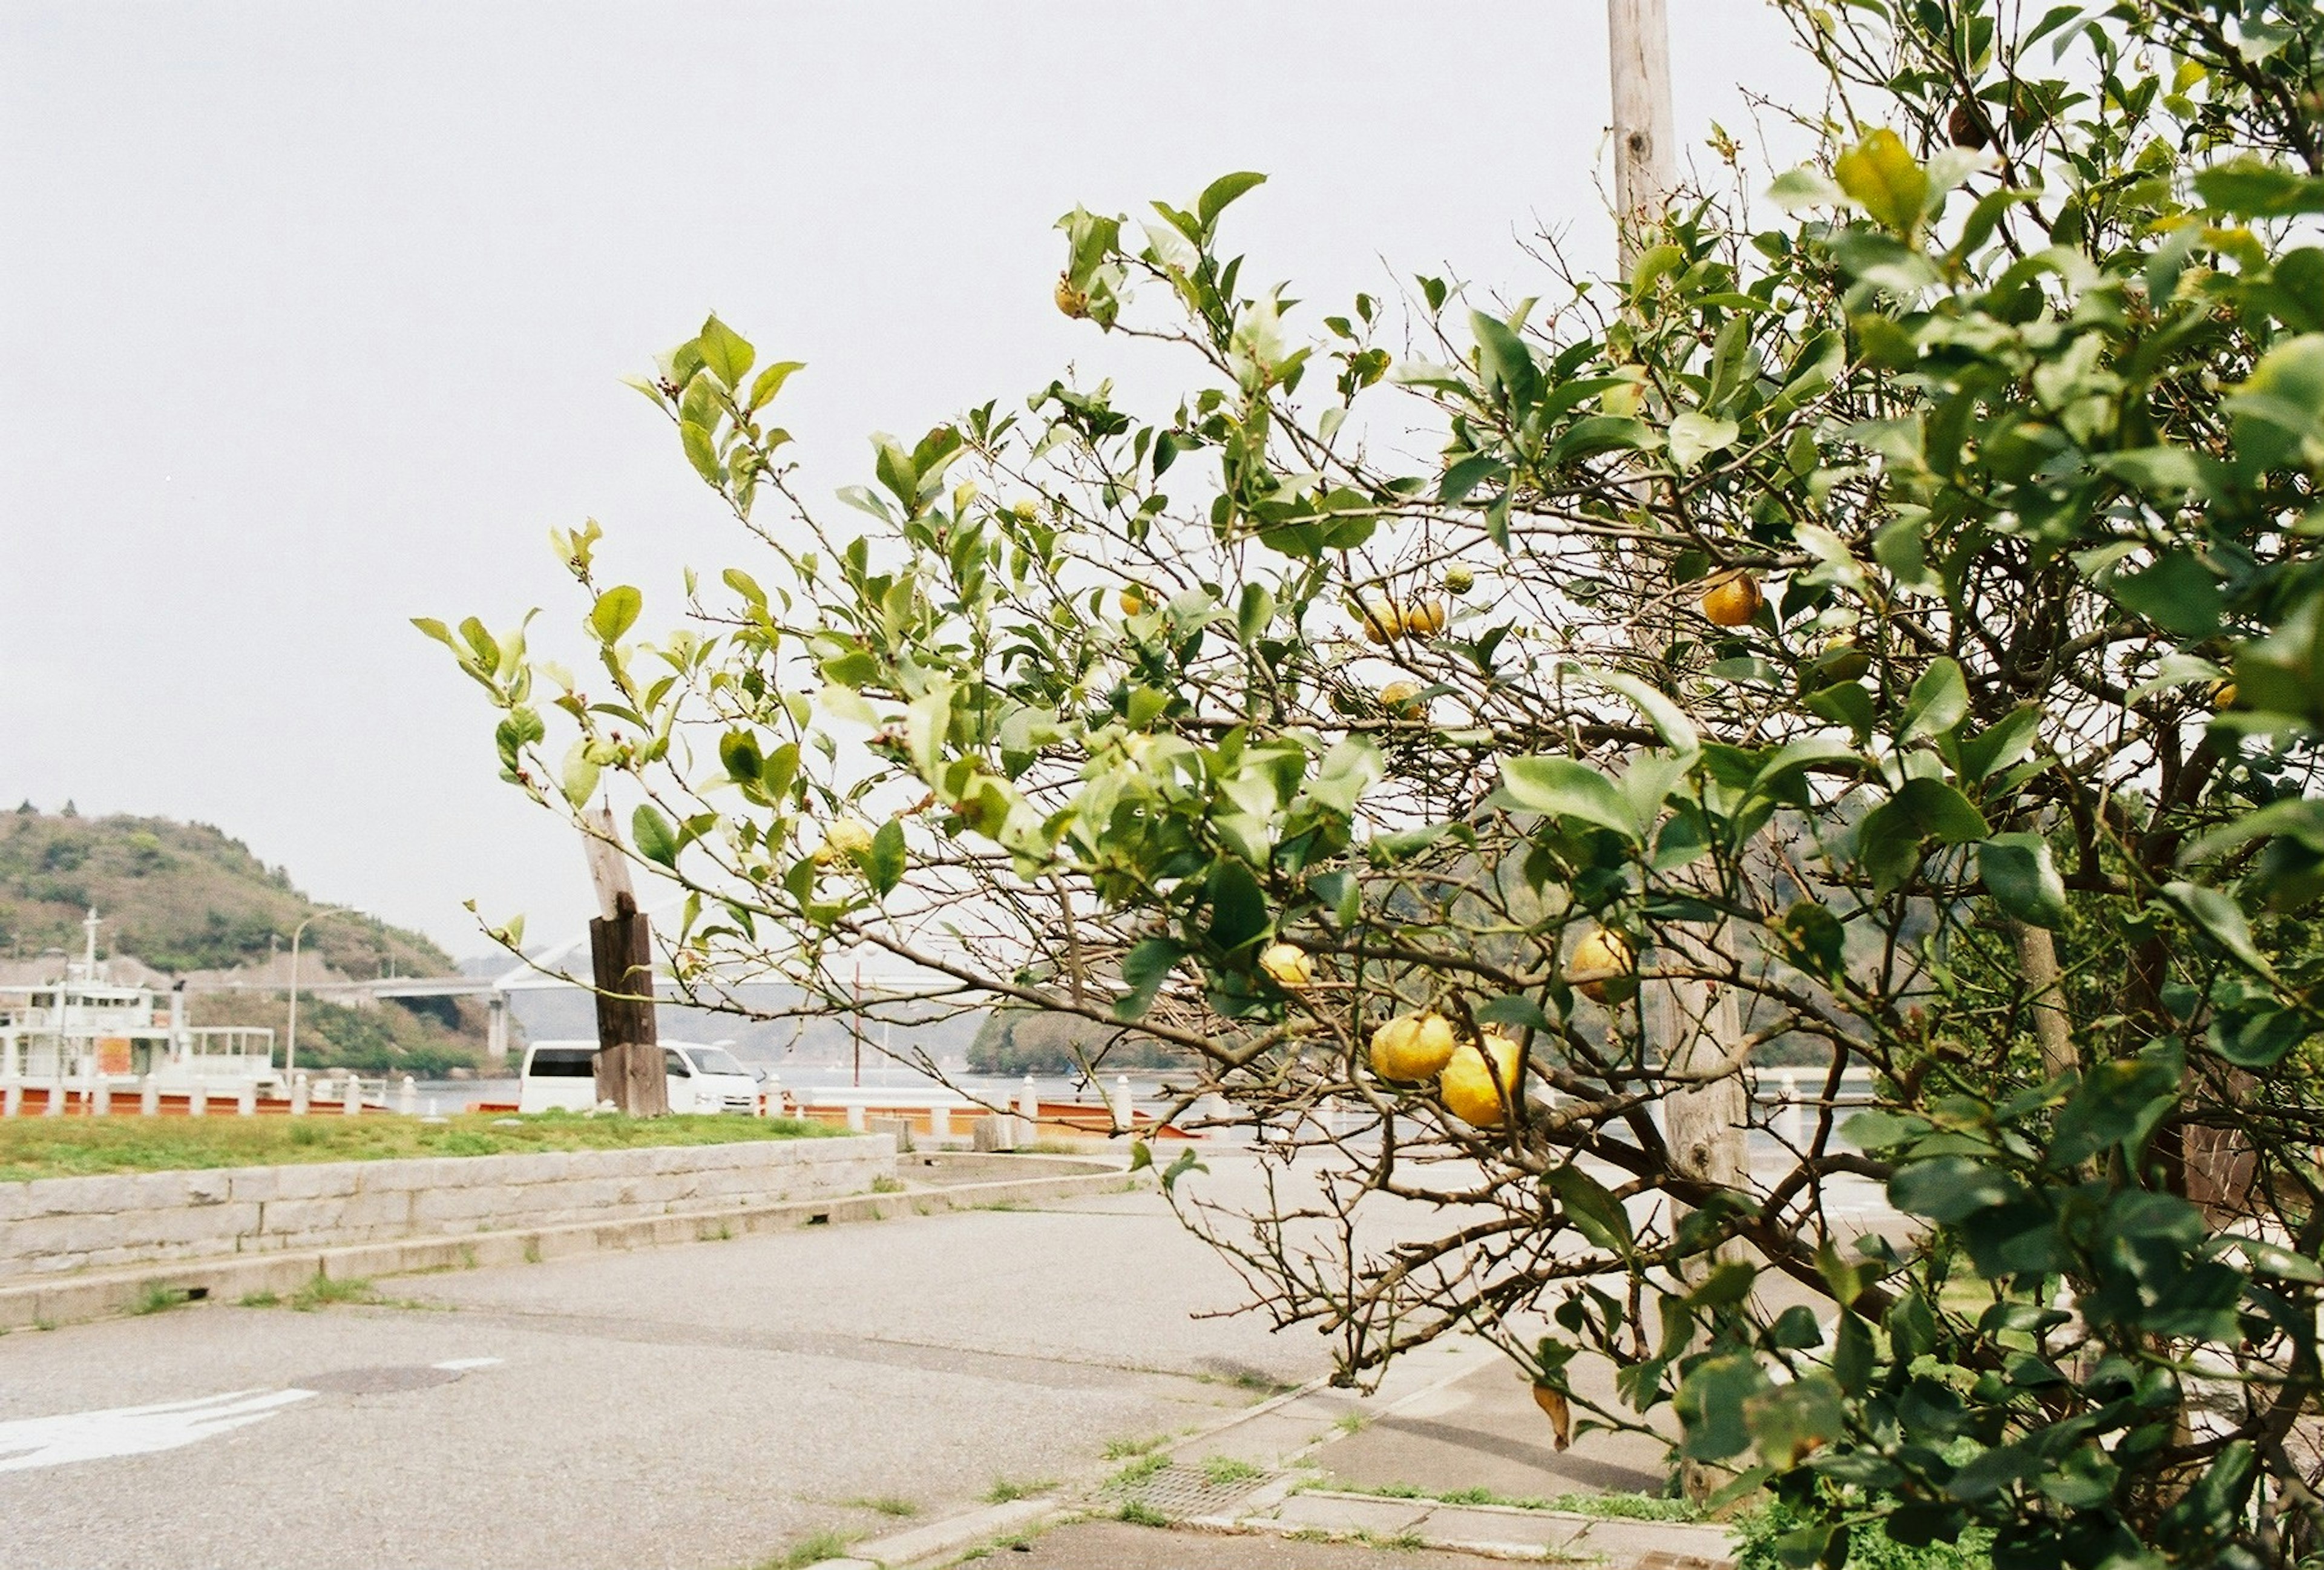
x: 700, y: 1079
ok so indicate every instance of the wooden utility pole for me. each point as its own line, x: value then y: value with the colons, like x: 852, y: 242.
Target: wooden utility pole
x: 620, y: 951
x: 1645, y: 146
x: 1698, y: 1022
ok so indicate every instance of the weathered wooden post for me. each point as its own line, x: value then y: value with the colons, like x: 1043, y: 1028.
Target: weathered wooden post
x: 620, y: 951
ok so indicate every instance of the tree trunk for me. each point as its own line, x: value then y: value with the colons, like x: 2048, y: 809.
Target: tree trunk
x: 629, y: 1050
x: 2053, y: 1028
x: 1705, y: 1125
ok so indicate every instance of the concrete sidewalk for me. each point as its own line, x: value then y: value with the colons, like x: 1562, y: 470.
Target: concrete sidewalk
x: 1322, y: 1479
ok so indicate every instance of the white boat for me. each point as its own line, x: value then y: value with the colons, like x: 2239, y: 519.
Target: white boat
x: 83, y: 1029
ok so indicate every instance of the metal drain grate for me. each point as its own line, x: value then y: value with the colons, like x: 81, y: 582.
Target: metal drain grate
x: 1185, y: 1492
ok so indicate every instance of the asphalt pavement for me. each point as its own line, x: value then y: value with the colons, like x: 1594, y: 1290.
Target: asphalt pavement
x: 696, y: 1406
x: 723, y: 1406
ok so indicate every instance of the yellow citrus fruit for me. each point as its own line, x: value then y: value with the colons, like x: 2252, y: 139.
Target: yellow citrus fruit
x: 2224, y: 694
x: 1133, y: 600
x: 1382, y: 622
x: 1458, y: 580
x: 1843, y: 659
x: 1288, y: 965
x: 1411, y: 1047
x: 849, y: 835
x: 1602, y: 957
x: 1468, y: 1083
x: 1071, y: 301
x: 1734, y: 602
x: 1425, y: 618
x: 1025, y: 512
x: 1397, y: 697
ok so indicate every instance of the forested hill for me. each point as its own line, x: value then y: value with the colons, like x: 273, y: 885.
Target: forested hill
x: 179, y: 896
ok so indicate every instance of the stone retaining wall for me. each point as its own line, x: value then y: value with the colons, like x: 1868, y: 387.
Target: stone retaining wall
x: 70, y: 1224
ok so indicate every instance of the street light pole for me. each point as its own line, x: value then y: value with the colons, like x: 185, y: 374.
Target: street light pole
x: 290, y: 1044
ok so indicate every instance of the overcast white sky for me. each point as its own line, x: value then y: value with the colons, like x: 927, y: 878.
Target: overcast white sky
x: 311, y: 317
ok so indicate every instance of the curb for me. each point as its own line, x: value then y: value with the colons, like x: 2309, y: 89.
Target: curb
x: 1500, y: 1531
x: 923, y: 1545
x: 1482, y: 1531
x: 111, y: 1294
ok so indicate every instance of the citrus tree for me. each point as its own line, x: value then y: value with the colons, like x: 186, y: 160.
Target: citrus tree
x: 1883, y: 624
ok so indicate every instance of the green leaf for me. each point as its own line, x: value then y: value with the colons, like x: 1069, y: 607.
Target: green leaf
x: 725, y: 352
x: 1853, y: 1354
x: 1791, y: 1421
x: 616, y: 613
x: 2279, y: 412
x: 1949, y: 1188
x: 1341, y: 893
x: 2164, y: 471
x: 1846, y: 703
x: 1141, y: 1155
x: 1986, y: 754
x: 1694, y: 435
x: 771, y: 382
x: 2219, y: 918
x: 2252, y: 188
x: 1889, y: 838
x: 886, y: 858
x: 1238, y: 915
x: 1798, y: 191
x: 1883, y: 177
x: 2178, y: 594
x: 1513, y: 1009
x: 1253, y: 612
x: 1563, y: 787
x: 650, y: 832
x: 739, y: 751
x: 1466, y: 475
x: 1178, y: 1169
x: 1144, y: 969
x: 2116, y: 1104
x: 1598, y: 433
x: 578, y: 777
x: 1669, y: 720
x: 1987, y: 1474
x: 701, y: 452
x: 1939, y: 701
x: 1591, y: 1207
x: 2258, y: 1040
x: 1222, y: 190
x: 1872, y: 1129
x: 1709, y: 1403
x: 1653, y: 266
x: 2022, y: 876
x: 1506, y: 361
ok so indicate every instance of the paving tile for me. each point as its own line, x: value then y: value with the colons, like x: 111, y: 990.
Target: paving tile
x: 1465, y: 1526
x: 1681, y: 1544
x: 1386, y: 1518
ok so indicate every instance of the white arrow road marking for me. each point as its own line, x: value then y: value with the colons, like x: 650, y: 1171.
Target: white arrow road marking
x: 29, y: 1442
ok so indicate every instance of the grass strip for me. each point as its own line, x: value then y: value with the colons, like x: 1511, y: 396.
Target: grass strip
x: 79, y: 1147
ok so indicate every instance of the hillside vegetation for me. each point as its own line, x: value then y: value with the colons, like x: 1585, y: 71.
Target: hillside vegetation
x: 186, y: 897
x: 179, y: 896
